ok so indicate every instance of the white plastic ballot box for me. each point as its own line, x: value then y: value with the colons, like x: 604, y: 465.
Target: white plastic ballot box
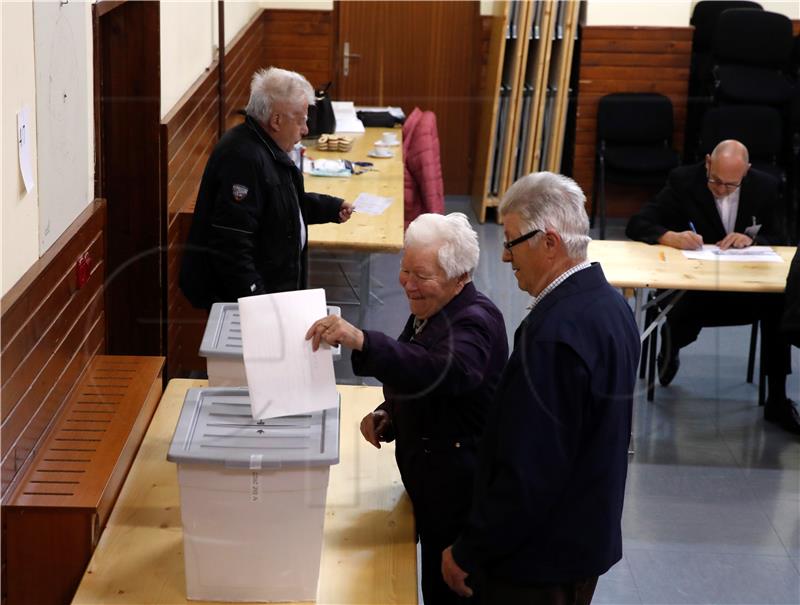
x: 252, y: 497
x: 222, y: 345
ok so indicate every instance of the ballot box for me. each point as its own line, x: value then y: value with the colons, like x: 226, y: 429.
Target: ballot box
x: 252, y: 497
x: 222, y: 345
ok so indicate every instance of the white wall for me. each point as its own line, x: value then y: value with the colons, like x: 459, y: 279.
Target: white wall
x: 664, y: 12
x: 317, y: 5
x: 20, y: 215
x: 188, y: 46
x: 65, y: 114
x: 237, y: 15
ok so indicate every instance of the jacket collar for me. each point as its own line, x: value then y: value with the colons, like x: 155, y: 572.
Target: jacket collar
x: 278, y: 154
x: 579, y: 283
x: 441, y: 321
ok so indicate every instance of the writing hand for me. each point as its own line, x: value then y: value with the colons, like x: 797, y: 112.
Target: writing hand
x: 682, y: 240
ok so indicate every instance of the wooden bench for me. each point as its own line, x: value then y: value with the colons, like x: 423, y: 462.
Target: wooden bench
x: 56, y: 510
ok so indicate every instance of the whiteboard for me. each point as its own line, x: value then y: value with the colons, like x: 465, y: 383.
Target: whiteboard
x: 62, y: 37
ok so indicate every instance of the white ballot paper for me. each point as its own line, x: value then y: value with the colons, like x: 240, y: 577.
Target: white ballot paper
x: 367, y: 203
x: 752, y: 254
x: 284, y: 376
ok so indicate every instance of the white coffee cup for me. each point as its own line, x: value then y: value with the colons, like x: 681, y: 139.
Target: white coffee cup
x: 381, y: 151
x: 389, y: 138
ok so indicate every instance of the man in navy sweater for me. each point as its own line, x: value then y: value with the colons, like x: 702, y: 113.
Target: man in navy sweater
x: 547, y: 508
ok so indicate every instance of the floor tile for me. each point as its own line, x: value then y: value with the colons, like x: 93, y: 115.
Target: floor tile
x: 694, y: 578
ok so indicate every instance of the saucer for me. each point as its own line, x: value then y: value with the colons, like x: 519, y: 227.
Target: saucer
x: 388, y: 154
x: 382, y: 144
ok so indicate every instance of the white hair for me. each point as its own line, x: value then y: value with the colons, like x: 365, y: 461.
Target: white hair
x: 274, y: 85
x: 457, y: 241
x: 544, y: 200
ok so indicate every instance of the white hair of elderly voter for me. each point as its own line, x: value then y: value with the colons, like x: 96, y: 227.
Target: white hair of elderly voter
x: 273, y: 86
x: 544, y: 200
x: 455, y: 237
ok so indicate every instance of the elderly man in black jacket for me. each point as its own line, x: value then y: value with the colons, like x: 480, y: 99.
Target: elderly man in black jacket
x: 249, y: 233
x: 720, y: 201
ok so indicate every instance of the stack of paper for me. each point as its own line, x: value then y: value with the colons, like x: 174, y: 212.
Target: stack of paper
x: 346, y: 120
x: 284, y: 376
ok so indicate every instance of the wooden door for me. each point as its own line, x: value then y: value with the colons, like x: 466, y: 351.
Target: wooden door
x: 416, y: 54
x: 128, y: 88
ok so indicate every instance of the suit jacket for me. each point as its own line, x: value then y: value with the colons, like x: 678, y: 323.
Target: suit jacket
x: 553, y: 462
x: 686, y: 198
x: 438, y: 387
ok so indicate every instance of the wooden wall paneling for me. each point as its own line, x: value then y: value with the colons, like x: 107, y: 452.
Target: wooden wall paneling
x: 50, y: 329
x: 628, y: 59
x: 515, y: 78
x: 303, y: 41
x: 489, y: 99
x: 563, y: 64
x: 539, y: 77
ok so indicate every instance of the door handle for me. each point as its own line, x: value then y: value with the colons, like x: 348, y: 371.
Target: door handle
x: 347, y: 55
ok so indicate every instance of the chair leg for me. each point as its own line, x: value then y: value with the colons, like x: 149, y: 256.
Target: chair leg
x: 651, y: 366
x: 762, y: 370
x: 751, y: 358
x: 643, y: 358
x: 602, y: 191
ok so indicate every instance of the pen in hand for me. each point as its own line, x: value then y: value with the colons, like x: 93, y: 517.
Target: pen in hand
x: 691, y: 226
x: 699, y: 244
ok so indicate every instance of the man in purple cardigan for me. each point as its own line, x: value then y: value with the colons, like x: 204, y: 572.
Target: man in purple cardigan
x: 438, y: 380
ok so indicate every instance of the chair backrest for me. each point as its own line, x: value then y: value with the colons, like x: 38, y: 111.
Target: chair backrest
x: 634, y: 118
x: 758, y: 127
x: 704, y: 18
x: 752, y: 37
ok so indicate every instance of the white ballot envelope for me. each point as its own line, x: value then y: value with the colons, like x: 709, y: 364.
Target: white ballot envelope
x: 284, y: 376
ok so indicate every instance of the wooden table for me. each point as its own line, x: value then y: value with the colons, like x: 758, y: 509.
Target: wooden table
x: 637, y: 265
x: 369, y: 551
x: 382, y: 233
x: 363, y: 234
x: 641, y: 267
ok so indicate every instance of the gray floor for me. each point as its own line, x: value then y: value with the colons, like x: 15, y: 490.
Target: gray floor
x: 712, y: 511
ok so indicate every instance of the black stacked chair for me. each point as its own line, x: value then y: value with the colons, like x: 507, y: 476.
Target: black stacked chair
x: 634, y: 144
x: 751, y: 50
x: 701, y: 78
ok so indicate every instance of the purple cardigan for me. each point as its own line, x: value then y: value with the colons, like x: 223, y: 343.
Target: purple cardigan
x: 438, y: 387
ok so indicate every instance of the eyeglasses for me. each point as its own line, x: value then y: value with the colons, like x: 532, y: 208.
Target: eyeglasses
x: 730, y: 186
x: 520, y: 239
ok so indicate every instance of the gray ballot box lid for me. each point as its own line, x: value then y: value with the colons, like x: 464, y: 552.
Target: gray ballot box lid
x: 215, y: 427
x: 223, y: 334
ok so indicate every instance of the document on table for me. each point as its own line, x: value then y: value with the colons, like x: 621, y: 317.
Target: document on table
x: 366, y: 203
x: 284, y: 376
x: 346, y: 119
x: 753, y: 254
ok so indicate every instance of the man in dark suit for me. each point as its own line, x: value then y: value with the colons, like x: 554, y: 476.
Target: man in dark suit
x: 720, y: 201
x: 545, y: 519
x: 438, y: 379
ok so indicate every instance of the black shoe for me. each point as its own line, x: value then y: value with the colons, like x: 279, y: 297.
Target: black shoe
x: 668, y: 362
x: 785, y: 414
